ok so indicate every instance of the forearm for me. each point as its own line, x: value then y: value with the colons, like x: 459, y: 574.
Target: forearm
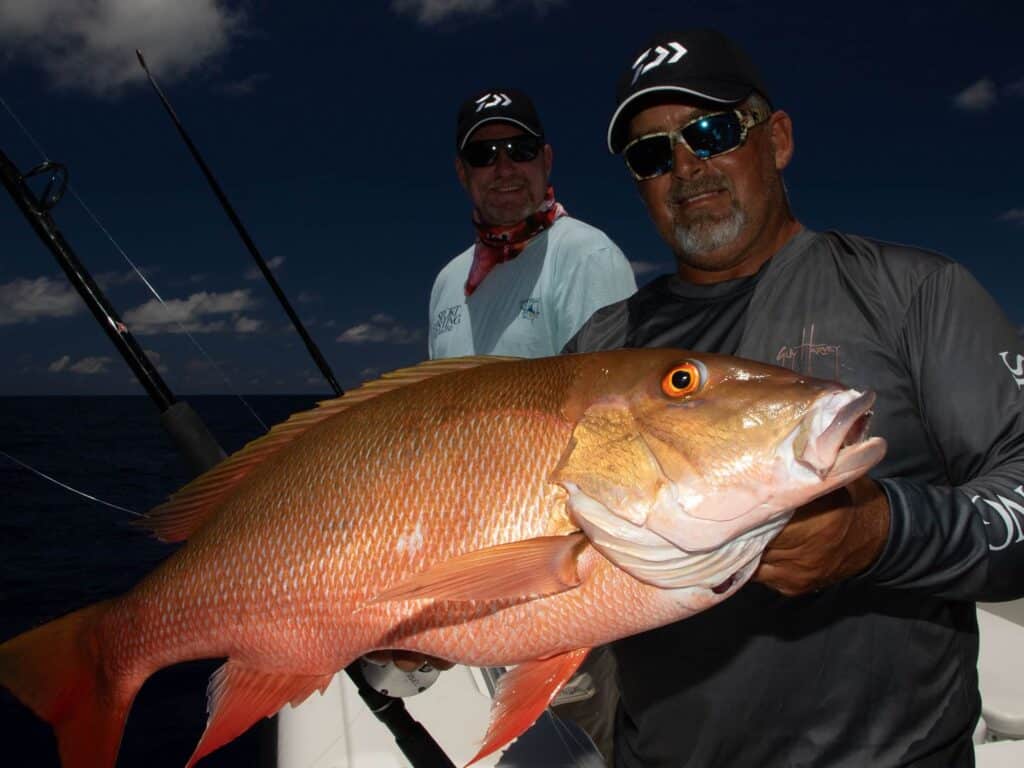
x: 962, y: 543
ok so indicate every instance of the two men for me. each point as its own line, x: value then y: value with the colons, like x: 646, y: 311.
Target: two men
x: 534, y: 273
x: 863, y: 650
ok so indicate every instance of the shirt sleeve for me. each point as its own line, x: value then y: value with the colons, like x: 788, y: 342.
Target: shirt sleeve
x: 966, y: 361
x: 588, y: 281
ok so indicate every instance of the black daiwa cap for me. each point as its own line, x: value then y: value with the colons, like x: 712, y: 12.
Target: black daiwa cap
x: 700, y: 63
x: 497, y: 105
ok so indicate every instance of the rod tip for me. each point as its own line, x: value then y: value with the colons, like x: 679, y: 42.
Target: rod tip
x: 142, y: 61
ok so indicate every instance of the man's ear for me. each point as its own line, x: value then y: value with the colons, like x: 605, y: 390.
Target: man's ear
x: 460, y: 171
x: 549, y: 157
x: 781, y: 132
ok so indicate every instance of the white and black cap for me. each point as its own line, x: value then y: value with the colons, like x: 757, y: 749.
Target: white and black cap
x: 701, y: 64
x: 496, y: 105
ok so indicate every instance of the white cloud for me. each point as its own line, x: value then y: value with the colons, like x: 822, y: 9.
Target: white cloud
x: 433, y: 11
x: 247, y: 324
x: 1014, y: 214
x: 25, y: 300
x: 643, y: 267
x: 90, y: 44
x: 196, y: 314
x: 87, y: 366
x: 253, y: 273
x: 59, y: 365
x: 977, y: 97
x: 380, y: 329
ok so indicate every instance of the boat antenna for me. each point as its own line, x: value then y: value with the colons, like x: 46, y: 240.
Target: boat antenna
x: 314, y: 351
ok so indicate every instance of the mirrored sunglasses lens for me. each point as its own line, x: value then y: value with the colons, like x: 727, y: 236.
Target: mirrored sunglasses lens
x: 480, y: 153
x: 713, y: 135
x: 650, y: 157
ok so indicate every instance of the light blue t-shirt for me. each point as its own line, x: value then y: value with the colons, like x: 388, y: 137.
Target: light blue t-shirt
x: 532, y: 305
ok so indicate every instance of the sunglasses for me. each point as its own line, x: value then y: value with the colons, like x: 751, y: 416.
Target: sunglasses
x: 518, y: 149
x: 705, y: 136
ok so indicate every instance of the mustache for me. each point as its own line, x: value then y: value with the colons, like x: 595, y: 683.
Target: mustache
x: 682, y: 190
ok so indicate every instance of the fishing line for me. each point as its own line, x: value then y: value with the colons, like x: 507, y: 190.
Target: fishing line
x: 562, y: 730
x: 67, y: 487
x: 142, y: 277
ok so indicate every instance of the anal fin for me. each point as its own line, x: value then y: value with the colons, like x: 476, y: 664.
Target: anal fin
x: 239, y: 696
x: 522, y: 695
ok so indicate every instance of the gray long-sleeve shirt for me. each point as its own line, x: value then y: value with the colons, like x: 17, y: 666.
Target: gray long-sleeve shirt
x: 880, y: 670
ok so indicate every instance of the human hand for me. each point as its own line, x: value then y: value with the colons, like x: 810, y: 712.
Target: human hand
x: 407, y: 661
x: 831, y: 539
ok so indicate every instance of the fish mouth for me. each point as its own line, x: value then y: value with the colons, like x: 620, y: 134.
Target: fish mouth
x: 835, y: 435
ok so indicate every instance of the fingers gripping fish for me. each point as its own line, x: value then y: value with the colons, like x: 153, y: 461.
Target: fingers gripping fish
x: 487, y: 511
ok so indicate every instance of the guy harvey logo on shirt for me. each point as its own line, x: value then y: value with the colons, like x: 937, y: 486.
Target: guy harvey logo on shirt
x: 810, y: 357
x: 446, y: 320
x: 1010, y: 513
x: 529, y: 309
x: 1016, y: 368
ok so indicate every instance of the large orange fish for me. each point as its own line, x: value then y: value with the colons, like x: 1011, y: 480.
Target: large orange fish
x: 486, y: 511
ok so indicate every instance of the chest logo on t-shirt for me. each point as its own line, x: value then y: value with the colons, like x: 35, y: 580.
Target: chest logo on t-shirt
x: 529, y: 309
x: 446, y: 320
x: 810, y: 356
x: 1016, y: 369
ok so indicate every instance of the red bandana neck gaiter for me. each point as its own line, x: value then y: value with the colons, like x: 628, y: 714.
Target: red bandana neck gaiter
x: 495, y: 245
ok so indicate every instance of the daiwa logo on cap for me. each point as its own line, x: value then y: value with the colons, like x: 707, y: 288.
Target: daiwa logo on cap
x: 489, y: 100
x: 661, y: 54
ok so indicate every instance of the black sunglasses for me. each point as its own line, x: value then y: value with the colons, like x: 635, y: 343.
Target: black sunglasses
x: 705, y: 136
x: 519, y: 149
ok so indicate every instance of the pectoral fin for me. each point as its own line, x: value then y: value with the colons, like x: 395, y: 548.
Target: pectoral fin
x: 533, y: 568
x: 522, y: 695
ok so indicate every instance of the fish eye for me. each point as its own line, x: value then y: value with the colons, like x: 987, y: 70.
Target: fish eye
x: 681, y: 380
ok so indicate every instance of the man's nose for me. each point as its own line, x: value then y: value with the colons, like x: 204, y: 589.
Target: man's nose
x: 503, y: 164
x: 686, y: 165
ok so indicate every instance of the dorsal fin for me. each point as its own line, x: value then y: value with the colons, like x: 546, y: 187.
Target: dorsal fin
x: 188, y: 508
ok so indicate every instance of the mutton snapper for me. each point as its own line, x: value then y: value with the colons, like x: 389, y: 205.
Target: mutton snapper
x: 486, y: 511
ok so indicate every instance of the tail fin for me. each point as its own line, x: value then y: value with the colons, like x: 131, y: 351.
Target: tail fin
x: 55, y: 670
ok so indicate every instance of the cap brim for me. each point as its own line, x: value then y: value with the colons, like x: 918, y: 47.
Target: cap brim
x: 478, y: 123
x: 721, y: 94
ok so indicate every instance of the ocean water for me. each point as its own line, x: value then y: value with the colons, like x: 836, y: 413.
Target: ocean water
x: 59, y: 552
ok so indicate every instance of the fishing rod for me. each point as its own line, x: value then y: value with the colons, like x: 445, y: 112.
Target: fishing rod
x: 188, y: 432
x: 311, y: 346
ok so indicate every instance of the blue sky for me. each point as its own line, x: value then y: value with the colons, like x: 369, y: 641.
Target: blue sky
x: 330, y: 125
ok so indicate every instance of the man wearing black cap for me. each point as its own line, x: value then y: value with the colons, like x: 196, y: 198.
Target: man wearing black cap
x: 857, y: 644
x: 534, y: 274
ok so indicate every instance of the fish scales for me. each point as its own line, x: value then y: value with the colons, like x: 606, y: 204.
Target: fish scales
x: 573, y: 501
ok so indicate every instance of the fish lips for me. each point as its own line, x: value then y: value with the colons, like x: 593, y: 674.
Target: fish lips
x: 842, y: 448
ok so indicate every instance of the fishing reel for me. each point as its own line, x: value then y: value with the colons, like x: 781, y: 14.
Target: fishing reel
x: 395, y: 682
